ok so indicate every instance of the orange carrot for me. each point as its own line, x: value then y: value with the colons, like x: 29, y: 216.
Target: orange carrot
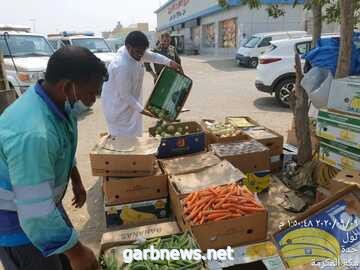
x: 223, y: 217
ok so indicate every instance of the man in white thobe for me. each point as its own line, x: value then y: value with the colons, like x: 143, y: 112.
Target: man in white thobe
x: 122, y: 93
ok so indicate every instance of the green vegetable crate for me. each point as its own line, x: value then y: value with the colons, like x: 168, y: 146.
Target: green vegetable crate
x: 169, y: 95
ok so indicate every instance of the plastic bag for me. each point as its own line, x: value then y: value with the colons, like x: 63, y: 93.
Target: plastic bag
x: 320, y: 96
x: 313, y: 79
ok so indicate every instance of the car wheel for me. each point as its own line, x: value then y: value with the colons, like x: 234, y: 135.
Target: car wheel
x: 253, y: 63
x: 283, y: 90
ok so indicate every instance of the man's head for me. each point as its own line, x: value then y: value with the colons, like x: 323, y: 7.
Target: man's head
x: 76, y: 74
x: 136, y: 43
x: 165, y: 40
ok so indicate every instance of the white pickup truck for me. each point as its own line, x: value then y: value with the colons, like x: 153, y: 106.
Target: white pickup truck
x: 25, y: 56
x: 96, y: 45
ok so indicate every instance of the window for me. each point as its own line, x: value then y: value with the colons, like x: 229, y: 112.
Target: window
x: 66, y: 42
x: 303, y: 47
x: 25, y: 45
x: 208, y: 40
x: 265, y: 42
x: 95, y: 45
x: 228, y: 33
x: 252, y: 42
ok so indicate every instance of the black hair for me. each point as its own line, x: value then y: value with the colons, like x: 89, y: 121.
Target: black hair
x: 137, y: 39
x: 76, y: 64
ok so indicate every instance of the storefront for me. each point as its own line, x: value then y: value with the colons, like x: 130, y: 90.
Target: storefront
x: 206, y: 27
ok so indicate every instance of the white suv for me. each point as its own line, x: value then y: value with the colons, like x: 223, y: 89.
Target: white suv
x: 276, y: 72
x: 25, y: 56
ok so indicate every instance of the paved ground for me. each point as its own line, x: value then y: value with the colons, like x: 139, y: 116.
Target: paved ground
x: 220, y: 89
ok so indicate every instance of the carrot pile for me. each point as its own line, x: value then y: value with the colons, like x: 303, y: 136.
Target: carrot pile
x: 220, y: 203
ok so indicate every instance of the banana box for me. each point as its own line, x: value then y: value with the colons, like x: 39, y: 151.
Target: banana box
x: 326, y: 236
x: 263, y: 255
x: 339, y: 127
x: 338, y: 155
x: 257, y: 181
x: 137, y: 213
x: 344, y: 95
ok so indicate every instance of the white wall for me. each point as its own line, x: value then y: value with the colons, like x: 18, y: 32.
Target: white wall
x: 253, y: 21
x: 190, y: 7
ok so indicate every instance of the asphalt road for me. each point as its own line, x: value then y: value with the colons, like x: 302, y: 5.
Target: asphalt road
x: 220, y: 89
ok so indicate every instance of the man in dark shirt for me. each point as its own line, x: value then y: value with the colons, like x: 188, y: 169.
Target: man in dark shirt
x: 164, y: 48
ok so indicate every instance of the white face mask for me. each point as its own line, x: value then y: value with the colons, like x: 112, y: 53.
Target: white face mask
x: 77, y: 108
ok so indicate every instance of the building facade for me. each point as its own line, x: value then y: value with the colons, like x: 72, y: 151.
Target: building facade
x: 208, y: 28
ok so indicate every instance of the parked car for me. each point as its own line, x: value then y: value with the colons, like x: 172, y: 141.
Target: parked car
x: 88, y: 40
x: 248, y: 54
x: 25, y: 56
x: 275, y: 72
x: 115, y: 43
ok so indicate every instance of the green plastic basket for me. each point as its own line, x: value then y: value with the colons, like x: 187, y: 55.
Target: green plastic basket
x: 169, y: 95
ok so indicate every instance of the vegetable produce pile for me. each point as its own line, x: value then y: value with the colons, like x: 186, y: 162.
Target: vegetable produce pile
x: 223, y: 130
x: 220, y: 203
x: 172, y: 130
x: 159, y: 113
x: 182, y: 241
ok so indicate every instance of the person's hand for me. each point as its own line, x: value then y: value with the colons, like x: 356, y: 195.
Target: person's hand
x: 82, y: 258
x: 147, y: 113
x: 175, y: 66
x: 79, y: 194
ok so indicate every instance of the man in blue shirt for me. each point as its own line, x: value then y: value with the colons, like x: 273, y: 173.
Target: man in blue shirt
x: 38, y: 139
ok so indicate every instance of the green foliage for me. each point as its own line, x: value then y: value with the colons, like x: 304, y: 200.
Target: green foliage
x: 331, y: 8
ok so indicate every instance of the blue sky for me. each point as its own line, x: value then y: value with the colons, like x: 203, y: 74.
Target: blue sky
x: 92, y: 15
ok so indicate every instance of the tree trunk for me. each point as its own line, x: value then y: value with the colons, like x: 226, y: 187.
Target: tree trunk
x: 346, y: 32
x: 317, y: 22
x: 301, y: 110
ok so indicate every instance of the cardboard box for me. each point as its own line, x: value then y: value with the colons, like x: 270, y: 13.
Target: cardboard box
x: 170, y: 93
x: 339, y: 127
x: 181, y: 185
x: 344, y: 95
x: 190, y: 163
x: 269, y: 138
x: 182, y: 145
x: 350, y: 177
x: 247, y: 156
x: 232, y: 232
x: 129, y: 236
x: 242, y: 122
x: 212, y: 138
x: 127, y: 190
x: 136, y: 214
x: 261, y: 255
x: 328, y: 230
x: 127, y: 163
x: 325, y: 192
x: 340, y: 156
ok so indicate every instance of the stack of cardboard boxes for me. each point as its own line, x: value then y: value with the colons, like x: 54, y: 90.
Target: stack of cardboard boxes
x: 135, y: 188
x: 339, y: 126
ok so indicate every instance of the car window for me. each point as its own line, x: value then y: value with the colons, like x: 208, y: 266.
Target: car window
x: 252, y: 42
x: 54, y: 44
x: 303, y: 47
x: 25, y: 46
x: 66, y: 42
x: 95, y: 45
x: 265, y: 42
